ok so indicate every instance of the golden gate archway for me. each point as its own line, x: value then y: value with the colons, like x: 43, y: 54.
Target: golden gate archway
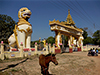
x: 69, y: 29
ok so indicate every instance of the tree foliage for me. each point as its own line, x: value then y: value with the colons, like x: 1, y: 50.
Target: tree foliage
x: 85, y: 34
x: 50, y: 40
x: 96, y: 37
x: 88, y: 40
x: 6, y: 27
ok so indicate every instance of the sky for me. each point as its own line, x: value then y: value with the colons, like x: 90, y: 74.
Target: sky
x: 85, y: 13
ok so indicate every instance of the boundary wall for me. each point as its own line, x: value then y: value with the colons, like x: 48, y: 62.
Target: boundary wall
x: 25, y: 52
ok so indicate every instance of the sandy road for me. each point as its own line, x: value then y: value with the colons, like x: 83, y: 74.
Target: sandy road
x: 76, y: 63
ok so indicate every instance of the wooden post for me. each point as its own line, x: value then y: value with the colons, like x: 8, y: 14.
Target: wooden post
x: 36, y: 48
x: 47, y: 48
x: 53, y: 48
x: 2, y: 50
x: 21, y: 50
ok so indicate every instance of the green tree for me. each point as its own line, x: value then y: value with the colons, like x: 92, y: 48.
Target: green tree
x: 50, y: 40
x: 6, y: 27
x: 85, y: 34
x: 96, y: 37
x: 88, y: 40
x: 33, y: 43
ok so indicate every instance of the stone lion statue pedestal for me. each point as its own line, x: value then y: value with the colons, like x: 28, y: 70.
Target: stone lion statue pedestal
x: 22, y: 31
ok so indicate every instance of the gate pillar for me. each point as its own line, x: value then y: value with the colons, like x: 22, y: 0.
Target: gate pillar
x: 70, y: 44
x: 58, y: 39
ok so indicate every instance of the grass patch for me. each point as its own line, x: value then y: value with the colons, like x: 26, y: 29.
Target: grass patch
x: 92, y: 60
x: 14, y: 70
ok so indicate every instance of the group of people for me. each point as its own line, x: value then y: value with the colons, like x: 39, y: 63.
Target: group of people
x: 94, y: 51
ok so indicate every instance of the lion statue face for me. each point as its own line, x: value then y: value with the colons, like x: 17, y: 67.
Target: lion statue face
x: 24, y: 13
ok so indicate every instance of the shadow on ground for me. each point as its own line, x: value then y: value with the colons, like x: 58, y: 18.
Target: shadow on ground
x: 13, y: 65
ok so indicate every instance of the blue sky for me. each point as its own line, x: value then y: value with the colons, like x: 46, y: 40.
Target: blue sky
x: 85, y: 13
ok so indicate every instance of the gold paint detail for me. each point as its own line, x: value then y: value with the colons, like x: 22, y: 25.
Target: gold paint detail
x: 67, y: 27
x: 25, y: 40
x: 58, y: 27
x: 28, y: 30
x: 71, y: 40
x: 23, y: 21
x: 67, y: 24
x: 23, y: 14
x: 15, y: 33
x: 23, y: 11
x: 56, y: 40
x: 44, y: 41
x: 63, y: 25
x: 21, y: 30
x: 69, y: 19
x: 13, y: 45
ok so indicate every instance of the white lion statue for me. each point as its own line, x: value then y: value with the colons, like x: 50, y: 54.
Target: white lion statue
x: 22, y: 31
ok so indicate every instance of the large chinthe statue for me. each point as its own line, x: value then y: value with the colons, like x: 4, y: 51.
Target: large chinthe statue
x: 22, y: 31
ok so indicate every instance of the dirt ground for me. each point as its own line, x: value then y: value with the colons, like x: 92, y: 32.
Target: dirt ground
x: 76, y: 63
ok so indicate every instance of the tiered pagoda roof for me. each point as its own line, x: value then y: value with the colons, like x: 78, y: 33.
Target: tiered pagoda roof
x: 69, y: 23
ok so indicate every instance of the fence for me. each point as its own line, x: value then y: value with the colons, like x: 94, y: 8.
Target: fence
x: 25, y: 52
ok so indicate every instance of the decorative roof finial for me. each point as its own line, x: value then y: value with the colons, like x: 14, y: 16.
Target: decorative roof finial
x: 69, y: 18
x: 68, y: 11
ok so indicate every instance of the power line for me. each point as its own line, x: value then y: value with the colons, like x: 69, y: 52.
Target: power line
x: 60, y: 6
x: 81, y: 12
x: 76, y: 12
x: 81, y: 17
x: 89, y: 30
x: 52, y: 2
x: 86, y: 12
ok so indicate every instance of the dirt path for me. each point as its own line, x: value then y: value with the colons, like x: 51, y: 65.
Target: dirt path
x: 76, y: 63
x: 97, y: 61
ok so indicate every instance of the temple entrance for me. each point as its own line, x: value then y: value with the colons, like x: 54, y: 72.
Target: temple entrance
x: 67, y: 28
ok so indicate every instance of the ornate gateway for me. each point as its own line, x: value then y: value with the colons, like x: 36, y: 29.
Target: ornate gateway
x: 69, y: 29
